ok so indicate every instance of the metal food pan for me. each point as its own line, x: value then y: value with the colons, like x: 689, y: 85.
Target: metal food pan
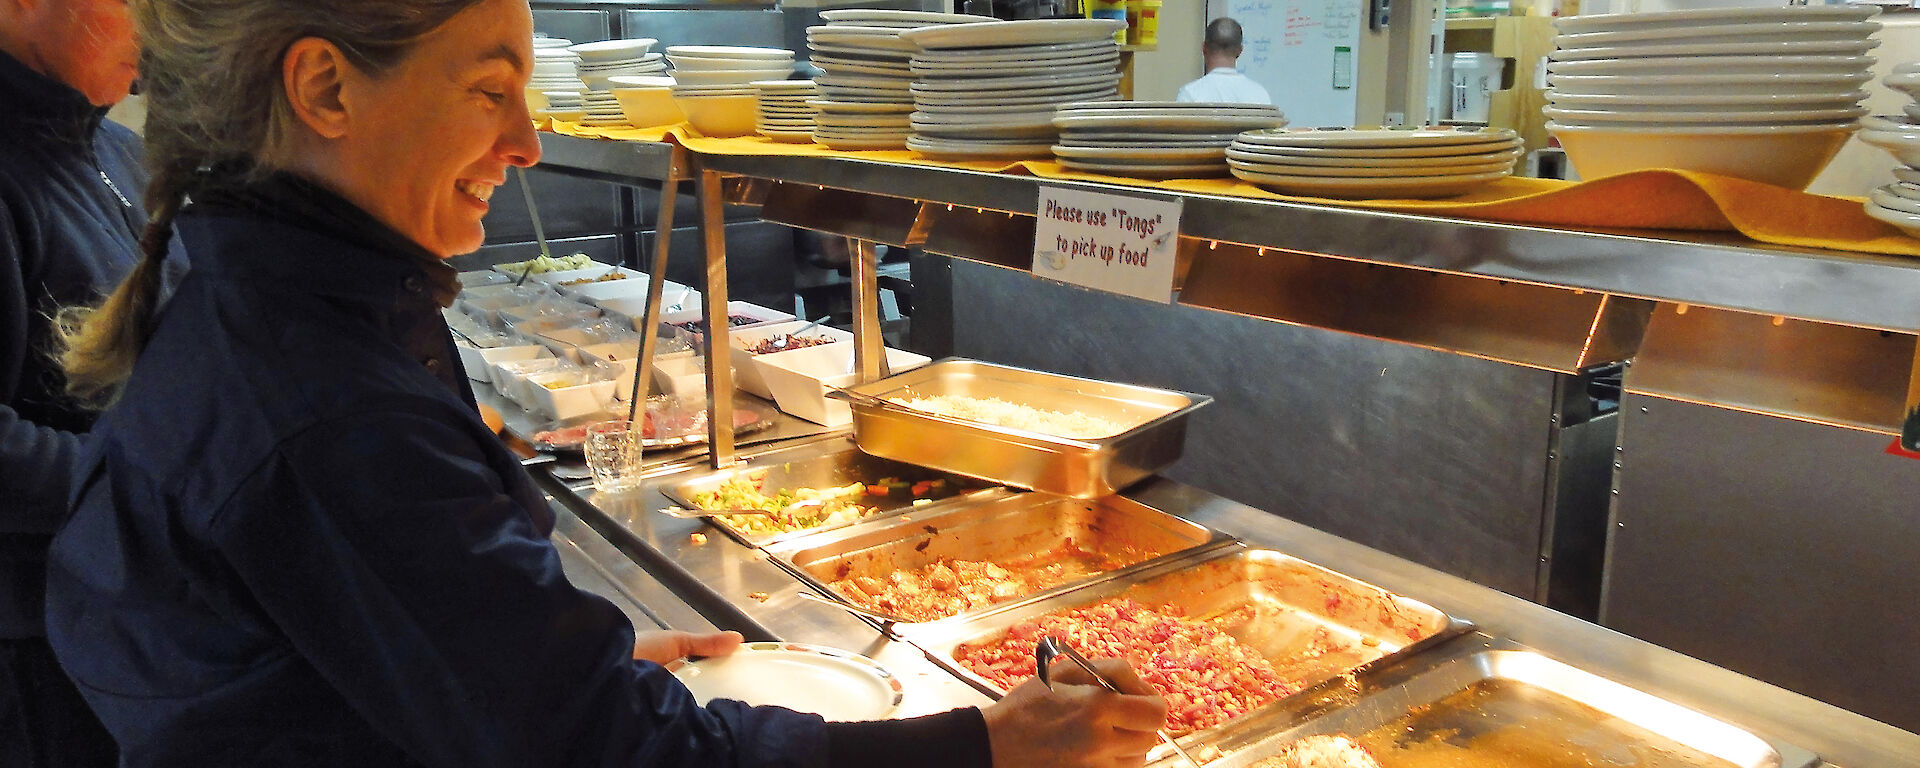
x: 1286, y: 601
x: 1155, y: 419
x: 839, y: 464
x: 1005, y: 531
x: 1514, y: 708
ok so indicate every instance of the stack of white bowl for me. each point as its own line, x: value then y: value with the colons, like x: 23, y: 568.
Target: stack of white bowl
x: 1378, y: 163
x: 784, y: 113
x: 989, y: 89
x: 864, y: 101
x: 1155, y: 139
x: 608, y: 58
x: 713, y: 84
x: 646, y: 101
x: 556, y: 77
x: 1898, y: 203
x: 541, y: 42
x: 1767, y: 94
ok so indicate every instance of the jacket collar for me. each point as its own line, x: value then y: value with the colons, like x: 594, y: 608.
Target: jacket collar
x: 47, y: 104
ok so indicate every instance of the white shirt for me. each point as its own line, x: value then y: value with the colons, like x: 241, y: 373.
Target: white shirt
x: 1224, y: 85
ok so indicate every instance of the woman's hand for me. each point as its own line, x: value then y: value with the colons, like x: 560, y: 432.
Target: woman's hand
x: 1078, y: 723
x: 662, y: 646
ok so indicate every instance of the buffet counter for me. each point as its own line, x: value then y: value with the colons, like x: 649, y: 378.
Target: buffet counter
x: 739, y: 587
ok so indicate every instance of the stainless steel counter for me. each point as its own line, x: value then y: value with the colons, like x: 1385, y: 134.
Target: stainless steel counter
x: 736, y: 587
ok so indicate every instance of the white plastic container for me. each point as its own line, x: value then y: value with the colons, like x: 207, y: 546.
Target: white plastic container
x: 801, y: 379
x: 747, y: 366
x: 1475, y: 76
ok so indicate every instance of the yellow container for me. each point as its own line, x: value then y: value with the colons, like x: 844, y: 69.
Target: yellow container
x: 1143, y: 23
x: 1109, y: 9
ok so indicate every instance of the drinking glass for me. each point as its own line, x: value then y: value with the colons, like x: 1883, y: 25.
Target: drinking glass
x: 613, y: 456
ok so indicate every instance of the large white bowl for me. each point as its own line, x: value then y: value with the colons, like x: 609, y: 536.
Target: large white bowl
x: 1894, y: 135
x: 1721, y: 85
x: 720, y: 116
x: 1907, y: 222
x: 728, y: 52
x: 714, y: 62
x: 1672, y: 116
x: 1786, y: 156
x: 611, y: 50
x: 1739, y: 103
x: 648, y: 107
x: 728, y: 76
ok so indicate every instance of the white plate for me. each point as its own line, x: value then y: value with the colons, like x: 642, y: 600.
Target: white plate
x: 1030, y: 64
x: 727, y: 76
x: 1706, y: 102
x: 549, y: 43
x: 1035, y: 132
x: 1718, y: 85
x: 1216, y: 147
x: 1371, y: 172
x: 980, y: 85
x: 859, y: 143
x: 1377, y: 138
x: 1160, y: 123
x: 998, y: 34
x: 1912, y: 111
x: 855, y: 52
x: 836, y: 67
x: 1153, y: 154
x: 833, y: 36
x: 837, y: 685
x: 848, y: 132
x: 1909, y: 175
x: 1722, y: 33
x: 613, y: 49
x: 1707, y: 16
x: 1130, y: 137
x: 1411, y: 187
x: 1715, y: 65
x: 1787, y: 48
x: 827, y: 120
x: 922, y: 17
x: 1907, y: 222
x: 940, y: 71
x: 1048, y: 96
x: 1886, y: 199
x: 948, y: 149
x: 708, y: 62
x: 1176, y: 106
x: 1149, y: 171
x: 1036, y: 117
x: 728, y: 52
x: 788, y: 137
x: 1015, y: 53
x: 1904, y: 189
x: 831, y: 106
x: 873, y: 83
x: 1255, y: 155
x: 988, y: 109
x: 1719, y: 117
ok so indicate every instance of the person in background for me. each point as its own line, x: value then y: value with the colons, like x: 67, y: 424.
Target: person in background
x: 1222, y: 83
x: 294, y: 541
x: 70, y: 219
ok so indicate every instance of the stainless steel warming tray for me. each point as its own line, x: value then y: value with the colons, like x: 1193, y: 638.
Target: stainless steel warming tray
x: 1022, y: 533
x: 840, y: 464
x: 1277, y: 605
x: 1154, y: 422
x: 1512, y: 708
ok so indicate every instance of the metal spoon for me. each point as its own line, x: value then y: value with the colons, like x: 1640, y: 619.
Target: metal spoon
x: 787, y: 338
x: 788, y: 510
x: 1052, y: 647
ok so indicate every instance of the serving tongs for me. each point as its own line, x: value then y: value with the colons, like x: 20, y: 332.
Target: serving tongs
x: 883, y: 618
x: 783, y: 512
x: 1050, y: 648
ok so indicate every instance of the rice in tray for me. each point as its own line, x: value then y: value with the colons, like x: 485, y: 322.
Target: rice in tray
x: 1321, y: 752
x: 997, y: 412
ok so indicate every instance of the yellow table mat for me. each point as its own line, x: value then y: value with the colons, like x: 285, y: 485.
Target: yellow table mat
x: 1662, y: 199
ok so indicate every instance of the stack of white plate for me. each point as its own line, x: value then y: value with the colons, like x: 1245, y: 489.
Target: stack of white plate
x: 988, y: 89
x: 1898, y: 203
x: 1155, y: 139
x: 540, y: 43
x: 727, y: 66
x: 864, y: 99
x: 554, y: 70
x: 784, y: 113
x: 1767, y: 94
x: 1397, y: 163
x: 601, y: 60
x: 570, y: 106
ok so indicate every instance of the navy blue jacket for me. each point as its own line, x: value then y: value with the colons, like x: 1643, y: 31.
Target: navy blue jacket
x: 295, y: 542
x: 67, y: 236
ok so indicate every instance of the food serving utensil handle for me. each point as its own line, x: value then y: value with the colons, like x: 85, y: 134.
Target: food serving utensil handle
x: 853, y: 609
x: 690, y: 514
x: 1050, y: 647
x: 533, y: 212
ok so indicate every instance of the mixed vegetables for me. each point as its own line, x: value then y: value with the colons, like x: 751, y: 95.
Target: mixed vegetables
x: 843, y: 504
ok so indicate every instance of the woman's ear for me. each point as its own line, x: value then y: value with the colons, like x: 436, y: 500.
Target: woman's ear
x: 315, y: 74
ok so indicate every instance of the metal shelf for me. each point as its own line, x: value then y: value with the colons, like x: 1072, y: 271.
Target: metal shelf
x: 1708, y: 269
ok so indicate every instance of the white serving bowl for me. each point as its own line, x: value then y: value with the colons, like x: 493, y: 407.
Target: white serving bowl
x: 727, y: 76
x: 1785, y: 156
x: 647, y: 107
x: 593, y: 269
x: 1724, y: 65
x: 479, y: 362
x: 728, y: 52
x: 550, y: 43
x: 614, y: 50
x: 801, y: 379
x: 1653, y: 116
x: 1710, y: 84
x: 1896, y: 136
x: 693, y: 63
x: 1907, y: 222
x: 536, y: 99
x: 747, y: 367
x: 719, y: 116
x: 1706, y: 102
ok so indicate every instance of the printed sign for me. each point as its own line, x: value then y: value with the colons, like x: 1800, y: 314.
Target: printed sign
x: 1112, y: 243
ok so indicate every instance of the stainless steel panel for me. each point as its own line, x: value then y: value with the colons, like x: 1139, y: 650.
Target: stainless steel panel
x: 1435, y: 457
x: 1006, y: 532
x: 1773, y: 547
x: 1517, y: 707
x: 713, y: 25
x: 1270, y: 602
x: 578, y: 25
x: 568, y: 207
x: 1832, y: 374
x: 819, y: 467
x: 1153, y: 420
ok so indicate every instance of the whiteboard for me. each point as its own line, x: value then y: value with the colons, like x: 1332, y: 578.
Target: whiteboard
x: 1288, y: 47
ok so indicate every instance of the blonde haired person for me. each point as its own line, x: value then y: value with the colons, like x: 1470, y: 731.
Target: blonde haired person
x: 295, y: 543
x: 70, y: 214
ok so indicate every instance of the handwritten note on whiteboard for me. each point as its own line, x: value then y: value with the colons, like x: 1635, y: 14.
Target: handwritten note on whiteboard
x: 1115, y: 243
